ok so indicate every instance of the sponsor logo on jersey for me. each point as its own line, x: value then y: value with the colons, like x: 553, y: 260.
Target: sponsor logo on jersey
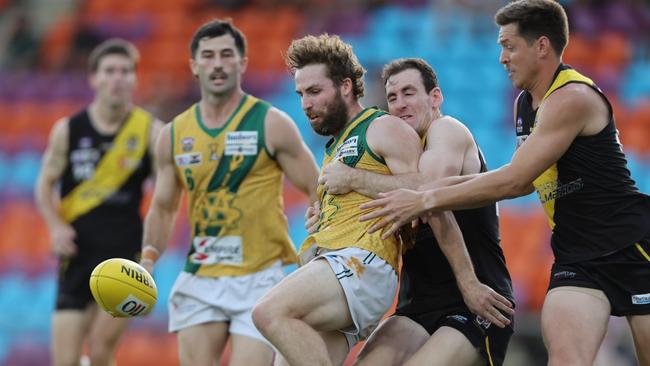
x: 348, y: 148
x: 188, y: 159
x: 241, y: 143
x: 553, y: 190
x: 218, y: 250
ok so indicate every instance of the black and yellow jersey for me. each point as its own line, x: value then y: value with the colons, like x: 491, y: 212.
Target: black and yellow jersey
x: 234, y: 187
x: 427, y: 282
x: 589, y: 197
x: 339, y: 226
x: 101, y: 187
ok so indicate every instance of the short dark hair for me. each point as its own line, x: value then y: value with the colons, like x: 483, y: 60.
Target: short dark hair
x: 113, y: 46
x: 330, y: 50
x: 536, y: 18
x: 217, y: 28
x: 429, y: 77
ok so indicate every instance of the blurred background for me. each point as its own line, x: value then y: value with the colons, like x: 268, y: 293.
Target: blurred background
x: 44, y: 45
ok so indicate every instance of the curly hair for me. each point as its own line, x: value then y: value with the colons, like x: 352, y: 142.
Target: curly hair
x: 331, y: 51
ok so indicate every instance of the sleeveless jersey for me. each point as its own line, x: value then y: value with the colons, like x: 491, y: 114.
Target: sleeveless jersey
x: 234, y: 187
x: 339, y: 225
x: 101, y: 187
x: 591, y: 202
x: 427, y: 280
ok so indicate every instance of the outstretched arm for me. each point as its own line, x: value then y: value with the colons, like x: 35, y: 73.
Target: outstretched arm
x: 562, y: 117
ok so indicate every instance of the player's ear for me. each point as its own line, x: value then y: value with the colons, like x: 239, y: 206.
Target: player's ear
x: 346, y: 87
x: 193, y: 67
x: 243, y: 64
x: 436, y: 97
x: 543, y: 46
x: 92, y: 79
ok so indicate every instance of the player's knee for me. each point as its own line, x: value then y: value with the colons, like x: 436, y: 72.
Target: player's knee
x: 100, y: 349
x: 265, y: 316
x: 560, y: 356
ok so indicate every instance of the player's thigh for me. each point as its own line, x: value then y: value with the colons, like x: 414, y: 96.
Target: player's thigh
x: 105, y: 330
x: 202, y: 344
x: 447, y: 346
x: 69, y: 327
x: 640, y: 327
x: 313, y: 294
x: 337, y: 346
x: 574, y: 322
x: 395, y: 340
x: 250, y: 351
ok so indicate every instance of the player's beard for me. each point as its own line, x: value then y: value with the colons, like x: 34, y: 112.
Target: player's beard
x: 336, y: 118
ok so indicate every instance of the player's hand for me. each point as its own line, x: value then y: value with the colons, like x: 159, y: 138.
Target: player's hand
x: 423, y: 218
x: 62, y: 238
x: 487, y: 303
x: 335, y: 177
x: 311, y: 217
x: 396, y: 208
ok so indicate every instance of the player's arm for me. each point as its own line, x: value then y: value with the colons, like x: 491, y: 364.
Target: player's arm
x: 156, y: 127
x: 290, y: 151
x: 396, y: 142
x: 453, y: 180
x: 53, y: 165
x: 561, y: 118
x: 338, y: 178
x: 448, y: 142
x: 159, y: 222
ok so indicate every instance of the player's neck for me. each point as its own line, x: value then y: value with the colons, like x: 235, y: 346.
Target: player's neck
x: 216, y: 110
x: 354, y: 109
x: 543, y: 82
x: 424, y: 128
x: 107, y: 119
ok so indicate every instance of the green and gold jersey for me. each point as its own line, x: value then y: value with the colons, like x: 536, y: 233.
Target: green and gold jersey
x: 235, y: 192
x: 339, y: 225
